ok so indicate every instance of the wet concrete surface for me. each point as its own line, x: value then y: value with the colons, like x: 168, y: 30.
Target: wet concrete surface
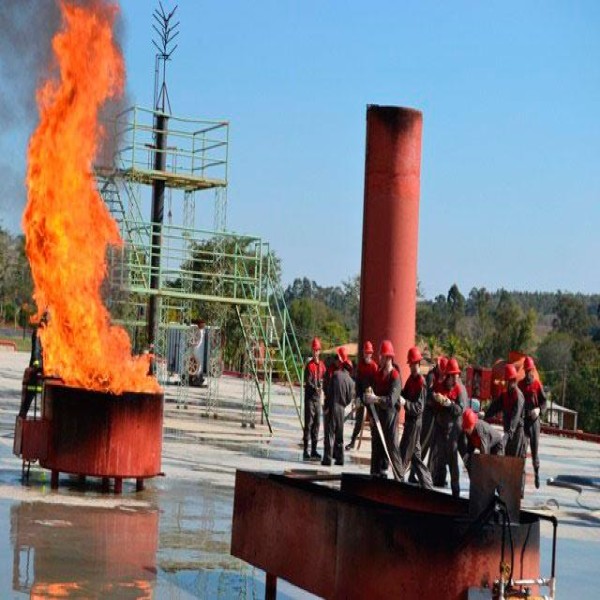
x: 172, y: 540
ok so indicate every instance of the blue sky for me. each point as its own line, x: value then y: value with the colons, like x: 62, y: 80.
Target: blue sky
x: 510, y: 92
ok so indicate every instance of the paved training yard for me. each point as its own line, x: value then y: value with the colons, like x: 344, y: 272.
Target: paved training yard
x: 172, y: 540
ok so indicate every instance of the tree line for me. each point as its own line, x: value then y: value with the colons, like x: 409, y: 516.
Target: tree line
x: 561, y: 330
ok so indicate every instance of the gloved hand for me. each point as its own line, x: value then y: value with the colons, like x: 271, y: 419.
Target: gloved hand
x: 442, y: 400
x: 534, y: 413
x: 402, y: 401
x: 370, y: 398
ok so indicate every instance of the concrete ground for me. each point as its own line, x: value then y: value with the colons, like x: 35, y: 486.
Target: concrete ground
x: 172, y: 540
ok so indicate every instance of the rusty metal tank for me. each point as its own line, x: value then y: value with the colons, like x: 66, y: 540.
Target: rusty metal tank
x: 390, y: 228
x: 92, y: 433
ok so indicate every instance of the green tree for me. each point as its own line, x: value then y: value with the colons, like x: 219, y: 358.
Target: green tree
x: 571, y: 315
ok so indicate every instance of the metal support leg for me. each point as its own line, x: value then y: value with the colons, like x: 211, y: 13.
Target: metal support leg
x: 105, y: 484
x: 118, y: 485
x: 271, y: 587
x: 54, y: 480
x: 139, y: 484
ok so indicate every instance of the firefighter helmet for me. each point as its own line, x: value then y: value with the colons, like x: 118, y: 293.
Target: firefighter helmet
x: 414, y: 355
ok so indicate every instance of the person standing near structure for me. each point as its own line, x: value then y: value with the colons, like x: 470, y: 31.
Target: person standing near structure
x: 450, y: 399
x: 34, y: 373
x: 479, y: 436
x: 314, y: 373
x: 385, y: 396
x: 339, y: 394
x: 365, y: 377
x: 510, y: 403
x: 414, y: 394
x: 434, y: 378
x: 534, y: 408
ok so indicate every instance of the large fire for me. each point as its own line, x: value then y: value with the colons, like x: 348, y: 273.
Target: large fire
x: 66, y: 223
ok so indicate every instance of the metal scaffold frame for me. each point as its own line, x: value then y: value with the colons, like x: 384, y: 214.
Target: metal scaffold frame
x: 194, y: 266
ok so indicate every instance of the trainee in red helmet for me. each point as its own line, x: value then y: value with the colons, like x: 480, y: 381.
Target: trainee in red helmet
x: 480, y: 437
x: 365, y: 377
x: 414, y: 394
x: 313, y: 392
x: 340, y: 392
x: 434, y: 377
x: 449, y: 398
x: 535, y: 404
x: 511, y: 403
x: 385, y: 397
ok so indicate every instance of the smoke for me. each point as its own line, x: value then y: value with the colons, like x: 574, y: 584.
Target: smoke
x: 26, y: 31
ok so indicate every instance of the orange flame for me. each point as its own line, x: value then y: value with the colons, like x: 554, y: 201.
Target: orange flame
x: 66, y: 223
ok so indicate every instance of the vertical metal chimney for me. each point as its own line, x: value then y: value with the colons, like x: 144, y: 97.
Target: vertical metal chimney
x: 388, y: 297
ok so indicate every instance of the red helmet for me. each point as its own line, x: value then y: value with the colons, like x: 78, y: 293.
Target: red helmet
x: 442, y: 363
x: 469, y: 419
x: 510, y: 372
x: 342, y: 354
x: 316, y: 344
x: 414, y: 355
x: 368, y: 348
x: 452, y: 367
x: 528, y: 363
x: 386, y: 349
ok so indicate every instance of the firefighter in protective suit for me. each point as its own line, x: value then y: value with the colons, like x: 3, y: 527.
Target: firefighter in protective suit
x: 340, y: 393
x: 414, y: 394
x: 449, y: 401
x: 34, y: 373
x: 386, y: 398
x: 511, y: 404
x: 314, y: 372
x: 479, y: 436
x: 365, y: 374
x: 535, y: 407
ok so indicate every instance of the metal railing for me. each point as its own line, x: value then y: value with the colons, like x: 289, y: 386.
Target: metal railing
x: 196, y: 149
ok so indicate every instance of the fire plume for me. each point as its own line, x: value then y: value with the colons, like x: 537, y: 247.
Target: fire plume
x: 66, y: 223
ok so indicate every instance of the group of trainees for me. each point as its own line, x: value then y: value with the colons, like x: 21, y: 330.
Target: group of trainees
x: 438, y: 425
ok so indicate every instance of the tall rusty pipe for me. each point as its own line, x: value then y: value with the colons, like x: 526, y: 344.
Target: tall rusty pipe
x: 388, y: 286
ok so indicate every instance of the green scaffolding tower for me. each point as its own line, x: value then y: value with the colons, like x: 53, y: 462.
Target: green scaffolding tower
x: 179, y: 268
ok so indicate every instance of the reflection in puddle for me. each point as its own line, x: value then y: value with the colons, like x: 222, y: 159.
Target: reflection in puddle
x: 62, y: 551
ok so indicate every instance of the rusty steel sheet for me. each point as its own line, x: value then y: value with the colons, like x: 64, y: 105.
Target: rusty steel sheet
x: 101, y: 434
x: 31, y: 439
x: 403, y: 495
x: 491, y: 475
x: 337, y: 544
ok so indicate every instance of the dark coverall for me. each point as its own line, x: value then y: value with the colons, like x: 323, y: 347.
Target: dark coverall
x: 414, y: 392
x: 388, y: 388
x: 535, y: 397
x: 340, y: 392
x: 365, y: 376
x: 32, y: 378
x: 313, y: 385
x: 427, y: 424
x: 511, y: 404
x: 446, y: 432
x: 484, y: 438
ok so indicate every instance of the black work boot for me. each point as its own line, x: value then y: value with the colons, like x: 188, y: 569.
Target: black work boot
x: 305, y: 455
x: 537, y: 479
x: 350, y: 446
x: 315, y: 455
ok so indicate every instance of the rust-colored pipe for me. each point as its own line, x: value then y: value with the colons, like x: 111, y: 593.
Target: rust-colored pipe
x: 388, y: 296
